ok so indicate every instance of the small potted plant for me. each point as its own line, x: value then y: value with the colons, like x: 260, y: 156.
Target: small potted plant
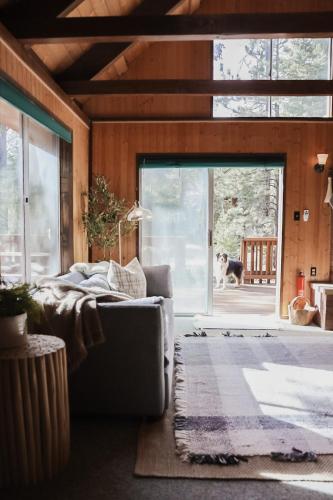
x: 16, y: 304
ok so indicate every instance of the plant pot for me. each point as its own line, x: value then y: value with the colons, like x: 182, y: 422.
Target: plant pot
x: 13, y: 331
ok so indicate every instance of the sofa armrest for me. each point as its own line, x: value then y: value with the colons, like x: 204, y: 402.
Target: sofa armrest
x: 125, y: 374
x: 159, y: 281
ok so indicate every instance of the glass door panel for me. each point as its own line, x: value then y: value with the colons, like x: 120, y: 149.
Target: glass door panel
x: 43, y: 200
x: 177, y: 234
x: 11, y: 195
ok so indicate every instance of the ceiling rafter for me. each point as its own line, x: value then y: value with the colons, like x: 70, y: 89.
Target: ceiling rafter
x: 39, y: 7
x: 174, y: 28
x: 200, y: 87
x: 100, y: 55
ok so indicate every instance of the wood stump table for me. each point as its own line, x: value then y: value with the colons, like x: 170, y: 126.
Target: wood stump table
x: 34, y: 411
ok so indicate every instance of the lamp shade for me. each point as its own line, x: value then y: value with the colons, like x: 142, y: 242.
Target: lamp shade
x: 138, y: 213
x: 322, y: 158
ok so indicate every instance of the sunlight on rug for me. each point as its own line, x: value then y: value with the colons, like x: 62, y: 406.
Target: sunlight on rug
x: 249, y: 397
x: 253, y: 396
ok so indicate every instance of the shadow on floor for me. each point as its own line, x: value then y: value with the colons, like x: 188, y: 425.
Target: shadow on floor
x: 102, y: 463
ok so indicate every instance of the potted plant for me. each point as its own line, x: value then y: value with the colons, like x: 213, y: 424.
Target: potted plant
x: 16, y: 304
x: 101, y: 219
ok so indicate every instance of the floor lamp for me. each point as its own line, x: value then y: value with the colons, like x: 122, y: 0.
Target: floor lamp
x: 135, y: 214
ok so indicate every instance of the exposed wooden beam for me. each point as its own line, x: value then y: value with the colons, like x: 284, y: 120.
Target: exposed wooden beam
x: 200, y: 87
x: 163, y: 28
x: 91, y: 62
x: 21, y: 8
x: 200, y: 119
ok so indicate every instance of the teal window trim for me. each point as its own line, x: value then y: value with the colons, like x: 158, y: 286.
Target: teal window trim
x: 226, y: 161
x: 17, y: 98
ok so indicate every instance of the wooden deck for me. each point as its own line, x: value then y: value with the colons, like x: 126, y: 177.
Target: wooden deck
x: 246, y: 299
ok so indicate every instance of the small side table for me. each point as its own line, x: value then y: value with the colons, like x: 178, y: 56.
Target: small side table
x: 322, y: 296
x: 34, y: 411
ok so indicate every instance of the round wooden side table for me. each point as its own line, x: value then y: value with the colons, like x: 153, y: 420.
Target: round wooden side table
x: 34, y: 411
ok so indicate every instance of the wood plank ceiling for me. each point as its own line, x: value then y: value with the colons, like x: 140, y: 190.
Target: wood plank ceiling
x: 104, y: 60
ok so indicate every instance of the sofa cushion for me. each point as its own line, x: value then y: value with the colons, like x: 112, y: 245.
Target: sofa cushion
x: 167, y: 315
x: 159, y: 281
x: 129, y: 279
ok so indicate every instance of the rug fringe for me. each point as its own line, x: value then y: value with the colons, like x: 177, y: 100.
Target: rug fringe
x: 181, y: 437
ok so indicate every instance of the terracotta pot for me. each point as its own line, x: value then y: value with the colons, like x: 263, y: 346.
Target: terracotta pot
x: 13, y: 331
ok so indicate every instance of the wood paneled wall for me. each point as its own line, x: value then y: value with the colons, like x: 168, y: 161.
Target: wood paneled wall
x: 15, y: 64
x: 116, y: 145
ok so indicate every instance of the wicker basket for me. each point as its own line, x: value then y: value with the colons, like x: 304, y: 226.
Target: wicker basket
x: 300, y: 311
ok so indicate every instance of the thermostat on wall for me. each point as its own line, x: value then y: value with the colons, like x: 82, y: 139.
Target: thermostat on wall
x: 306, y: 215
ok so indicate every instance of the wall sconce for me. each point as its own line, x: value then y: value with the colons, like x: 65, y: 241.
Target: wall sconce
x: 322, y: 159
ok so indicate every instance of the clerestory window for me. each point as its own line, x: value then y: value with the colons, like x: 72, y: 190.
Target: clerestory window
x: 277, y: 59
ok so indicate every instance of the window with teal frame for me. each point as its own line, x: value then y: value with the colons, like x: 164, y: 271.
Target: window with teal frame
x: 20, y: 101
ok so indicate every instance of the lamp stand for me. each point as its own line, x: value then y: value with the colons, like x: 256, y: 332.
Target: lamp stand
x: 119, y: 243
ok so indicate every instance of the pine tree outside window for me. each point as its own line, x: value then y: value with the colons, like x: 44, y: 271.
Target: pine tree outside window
x: 278, y: 59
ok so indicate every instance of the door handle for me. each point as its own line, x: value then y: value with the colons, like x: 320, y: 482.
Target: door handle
x: 210, y: 237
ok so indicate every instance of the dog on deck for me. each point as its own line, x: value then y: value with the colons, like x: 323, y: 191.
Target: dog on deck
x: 227, y: 267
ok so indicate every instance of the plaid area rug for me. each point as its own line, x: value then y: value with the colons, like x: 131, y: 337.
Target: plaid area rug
x: 252, y: 396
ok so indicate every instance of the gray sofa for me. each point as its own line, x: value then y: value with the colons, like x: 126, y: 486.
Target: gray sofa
x: 131, y: 372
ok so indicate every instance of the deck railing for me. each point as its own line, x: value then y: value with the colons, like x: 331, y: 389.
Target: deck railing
x: 259, y: 257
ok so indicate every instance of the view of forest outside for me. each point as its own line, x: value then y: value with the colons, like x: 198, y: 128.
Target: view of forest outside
x: 11, y: 194
x: 28, y: 232
x: 245, y: 205
x: 278, y: 59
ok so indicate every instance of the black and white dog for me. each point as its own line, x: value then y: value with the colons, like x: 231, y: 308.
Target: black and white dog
x: 226, y: 267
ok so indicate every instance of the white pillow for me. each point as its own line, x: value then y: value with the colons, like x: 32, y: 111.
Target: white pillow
x: 129, y: 279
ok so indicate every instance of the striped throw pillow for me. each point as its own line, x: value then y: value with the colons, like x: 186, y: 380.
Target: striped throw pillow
x: 129, y: 279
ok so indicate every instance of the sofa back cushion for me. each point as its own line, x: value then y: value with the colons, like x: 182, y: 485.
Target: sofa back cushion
x: 129, y: 279
x: 159, y: 280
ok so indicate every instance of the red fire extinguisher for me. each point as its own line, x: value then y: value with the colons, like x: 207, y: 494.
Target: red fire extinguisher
x: 300, y: 284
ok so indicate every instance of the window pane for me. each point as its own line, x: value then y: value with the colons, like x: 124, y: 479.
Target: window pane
x: 252, y: 106
x: 301, y: 59
x: 241, y: 59
x: 11, y: 194
x: 43, y: 200
x: 177, y: 233
x: 301, y: 106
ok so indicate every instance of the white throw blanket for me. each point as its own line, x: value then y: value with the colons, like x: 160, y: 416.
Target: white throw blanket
x: 70, y: 311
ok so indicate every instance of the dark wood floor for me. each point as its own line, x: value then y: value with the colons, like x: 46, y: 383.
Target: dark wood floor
x: 246, y: 299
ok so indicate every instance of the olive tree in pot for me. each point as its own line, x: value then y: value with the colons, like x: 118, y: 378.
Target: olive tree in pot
x: 16, y: 304
x: 102, y: 216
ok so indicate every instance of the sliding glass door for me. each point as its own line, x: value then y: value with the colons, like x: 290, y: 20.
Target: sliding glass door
x: 29, y: 197
x: 12, y: 259
x: 178, y: 232
x: 43, y: 186
x: 204, y: 206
